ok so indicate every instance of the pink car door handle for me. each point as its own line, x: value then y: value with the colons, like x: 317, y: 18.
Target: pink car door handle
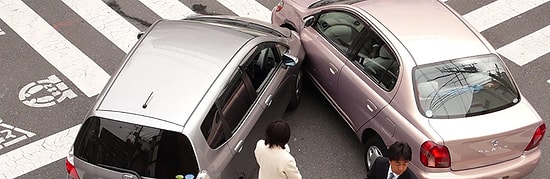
x: 333, y: 69
x: 371, y: 106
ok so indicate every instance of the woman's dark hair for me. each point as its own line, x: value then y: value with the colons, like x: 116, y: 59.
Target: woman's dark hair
x: 277, y: 133
x: 399, y: 151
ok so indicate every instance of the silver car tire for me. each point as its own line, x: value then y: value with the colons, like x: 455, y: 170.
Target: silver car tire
x: 374, y: 148
x: 297, y: 94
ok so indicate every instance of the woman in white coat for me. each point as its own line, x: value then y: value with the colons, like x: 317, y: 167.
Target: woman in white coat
x: 273, y: 153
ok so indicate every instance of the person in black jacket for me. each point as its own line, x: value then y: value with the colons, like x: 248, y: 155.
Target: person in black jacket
x: 395, y: 166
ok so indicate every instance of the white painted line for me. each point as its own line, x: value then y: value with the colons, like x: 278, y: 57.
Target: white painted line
x: 58, y: 51
x: 499, y: 11
x: 37, y: 154
x: 105, y: 20
x: 2, y: 32
x: 528, y: 48
x: 168, y: 9
x: 248, y: 8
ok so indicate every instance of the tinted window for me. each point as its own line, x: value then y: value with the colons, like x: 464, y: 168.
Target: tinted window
x: 377, y: 60
x: 340, y: 28
x: 151, y: 152
x: 464, y: 87
x: 231, y: 107
x: 228, y: 111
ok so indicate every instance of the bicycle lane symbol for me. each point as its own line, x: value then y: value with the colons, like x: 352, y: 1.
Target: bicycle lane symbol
x: 45, y: 93
x: 10, y: 135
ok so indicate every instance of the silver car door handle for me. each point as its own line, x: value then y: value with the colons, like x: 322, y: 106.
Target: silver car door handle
x: 333, y: 69
x: 239, y: 146
x: 268, y: 100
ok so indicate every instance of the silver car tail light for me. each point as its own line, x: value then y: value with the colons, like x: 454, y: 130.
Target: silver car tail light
x: 203, y: 175
x: 69, y: 164
x: 537, y: 137
x: 434, y: 155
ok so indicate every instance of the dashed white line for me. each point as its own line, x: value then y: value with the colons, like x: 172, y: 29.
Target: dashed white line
x: 528, y: 48
x: 37, y: 154
x: 58, y: 51
x: 499, y: 11
x: 248, y: 8
x: 168, y: 9
x: 105, y: 20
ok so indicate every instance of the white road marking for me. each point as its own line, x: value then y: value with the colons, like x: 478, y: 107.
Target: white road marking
x: 58, y: 51
x: 2, y: 32
x: 45, y: 93
x: 248, y: 8
x: 37, y: 154
x: 105, y: 20
x: 499, y: 11
x: 528, y: 48
x: 168, y: 9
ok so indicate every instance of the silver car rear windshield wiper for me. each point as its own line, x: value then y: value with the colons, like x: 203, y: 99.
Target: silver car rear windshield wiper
x: 121, y: 170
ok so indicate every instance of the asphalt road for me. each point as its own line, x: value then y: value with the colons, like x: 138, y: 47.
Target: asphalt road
x: 323, y: 144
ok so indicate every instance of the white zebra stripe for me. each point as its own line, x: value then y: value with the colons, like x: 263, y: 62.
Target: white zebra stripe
x: 248, y: 8
x: 528, y: 48
x: 58, y: 51
x: 168, y: 9
x: 499, y: 11
x: 105, y: 20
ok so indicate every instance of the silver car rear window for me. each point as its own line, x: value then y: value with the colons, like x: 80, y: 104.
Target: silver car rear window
x: 464, y: 87
x: 150, y: 152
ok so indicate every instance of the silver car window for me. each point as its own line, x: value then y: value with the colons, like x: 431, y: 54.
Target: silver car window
x: 225, y: 117
x: 464, y: 87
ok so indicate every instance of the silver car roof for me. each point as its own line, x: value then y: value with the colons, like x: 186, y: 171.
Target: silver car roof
x: 172, y: 68
x: 427, y: 28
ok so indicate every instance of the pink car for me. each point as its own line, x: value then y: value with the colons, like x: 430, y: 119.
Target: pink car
x: 415, y: 71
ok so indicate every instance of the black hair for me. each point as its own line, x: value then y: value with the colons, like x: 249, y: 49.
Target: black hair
x: 399, y: 151
x: 277, y: 133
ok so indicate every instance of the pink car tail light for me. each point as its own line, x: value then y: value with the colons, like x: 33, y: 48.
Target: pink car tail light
x: 279, y: 6
x: 69, y: 164
x: 537, y: 137
x: 434, y: 155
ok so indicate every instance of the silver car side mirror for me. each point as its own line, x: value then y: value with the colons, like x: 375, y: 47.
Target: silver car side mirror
x: 290, y: 60
x: 140, y: 34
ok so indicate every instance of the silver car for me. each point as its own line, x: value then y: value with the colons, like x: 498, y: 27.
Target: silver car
x: 415, y: 71
x: 191, y: 99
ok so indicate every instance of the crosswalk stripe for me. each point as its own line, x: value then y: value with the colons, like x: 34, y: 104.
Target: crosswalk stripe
x: 248, y: 8
x: 168, y: 9
x: 105, y: 20
x: 58, y: 51
x: 499, y: 11
x: 37, y: 154
x: 528, y: 48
